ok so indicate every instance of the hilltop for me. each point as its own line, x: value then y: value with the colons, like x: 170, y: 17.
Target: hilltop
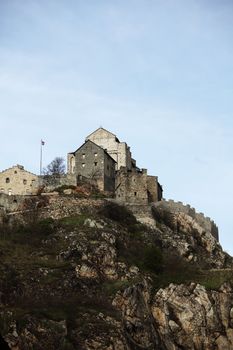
x: 80, y: 272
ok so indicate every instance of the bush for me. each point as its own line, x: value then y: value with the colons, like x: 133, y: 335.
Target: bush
x: 72, y: 221
x: 163, y: 216
x: 177, y: 270
x: 152, y: 259
x: 215, y: 279
x: 46, y: 226
x: 118, y: 213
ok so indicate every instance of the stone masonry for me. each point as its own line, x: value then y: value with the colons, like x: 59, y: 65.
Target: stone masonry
x: 92, y: 162
x: 106, y: 163
x: 18, y: 181
x: 136, y: 187
x: 119, y: 151
x: 178, y: 207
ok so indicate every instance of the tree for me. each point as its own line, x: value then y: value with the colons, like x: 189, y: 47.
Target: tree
x: 56, y: 167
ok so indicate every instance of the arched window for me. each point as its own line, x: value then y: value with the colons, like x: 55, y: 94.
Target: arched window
x: 7, y: 180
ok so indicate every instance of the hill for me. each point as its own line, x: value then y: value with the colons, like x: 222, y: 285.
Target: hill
x: 84, y: 273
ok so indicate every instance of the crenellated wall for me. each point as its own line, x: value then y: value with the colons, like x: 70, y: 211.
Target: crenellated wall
x: 179, y: 207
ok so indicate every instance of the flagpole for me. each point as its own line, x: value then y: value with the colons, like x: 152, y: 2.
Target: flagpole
x: 40, y: 157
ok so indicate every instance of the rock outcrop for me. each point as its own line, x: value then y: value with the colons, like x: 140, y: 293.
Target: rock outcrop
x: 84, y: 274
x: 178, y: 317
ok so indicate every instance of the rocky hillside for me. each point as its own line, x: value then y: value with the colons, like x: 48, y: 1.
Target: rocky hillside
x: 85, y: 274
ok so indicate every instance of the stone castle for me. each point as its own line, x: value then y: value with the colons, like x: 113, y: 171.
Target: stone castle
x: 105, y: 163
x: 101, y: 160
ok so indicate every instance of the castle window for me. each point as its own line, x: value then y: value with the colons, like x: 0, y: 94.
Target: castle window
x: 96, y: 154
x: 7, y: 180
x: 25, y: 182
x: 10, y: 191
x: 108, y: 167
x: 15, y: 171
x: 83, y: 165
x: 135, y: 193
x: 95, y: 163
x: 2, y: 190
x: 83, y: 155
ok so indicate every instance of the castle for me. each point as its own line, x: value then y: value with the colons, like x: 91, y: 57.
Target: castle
x: 101, y: 160
x: 107, y: 164
x: 106, y: 160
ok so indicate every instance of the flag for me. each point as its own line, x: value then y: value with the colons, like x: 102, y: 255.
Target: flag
x: 42, y: 143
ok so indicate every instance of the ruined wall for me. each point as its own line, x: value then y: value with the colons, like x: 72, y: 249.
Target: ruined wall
x: 178, y: 207
x: 18, y: 181
x: 50, y: 182
x: 11, y: 203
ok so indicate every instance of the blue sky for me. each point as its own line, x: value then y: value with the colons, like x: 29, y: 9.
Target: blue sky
x: 157, y: 73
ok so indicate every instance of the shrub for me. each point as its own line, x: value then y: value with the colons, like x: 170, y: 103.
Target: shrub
x: 177, y: 270
x: 163, y: 216
x: 214, y: 279
x: 118, y: 213
x: 46, y: 226
x: 72, y: 221
x: 152, y: 259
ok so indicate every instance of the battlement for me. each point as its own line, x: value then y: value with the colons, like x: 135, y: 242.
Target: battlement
x: 179, y: 207
x: 133, y: 171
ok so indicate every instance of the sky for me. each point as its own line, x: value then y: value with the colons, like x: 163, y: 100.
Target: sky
x: 157, y: 73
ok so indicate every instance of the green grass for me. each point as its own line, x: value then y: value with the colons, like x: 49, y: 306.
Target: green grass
x: 111, y: 287
x: 73, y: 221
x: 215, y: 279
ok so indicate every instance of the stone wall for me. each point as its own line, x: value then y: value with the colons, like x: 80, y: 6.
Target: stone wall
x: 131, y: 186
x: 63, y: 206
x: 11, y: 203
x: 136, y: 187
x: 50, y: 182
x: 155, y: 192
x: 119, y: 151
x: 178, y: 207
x: 94, y: 163
x: 70, y: 163
x: 18, y: 181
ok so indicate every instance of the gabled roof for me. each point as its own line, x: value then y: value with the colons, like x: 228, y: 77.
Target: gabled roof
x: 110, y: 133
x: 101, y: 148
